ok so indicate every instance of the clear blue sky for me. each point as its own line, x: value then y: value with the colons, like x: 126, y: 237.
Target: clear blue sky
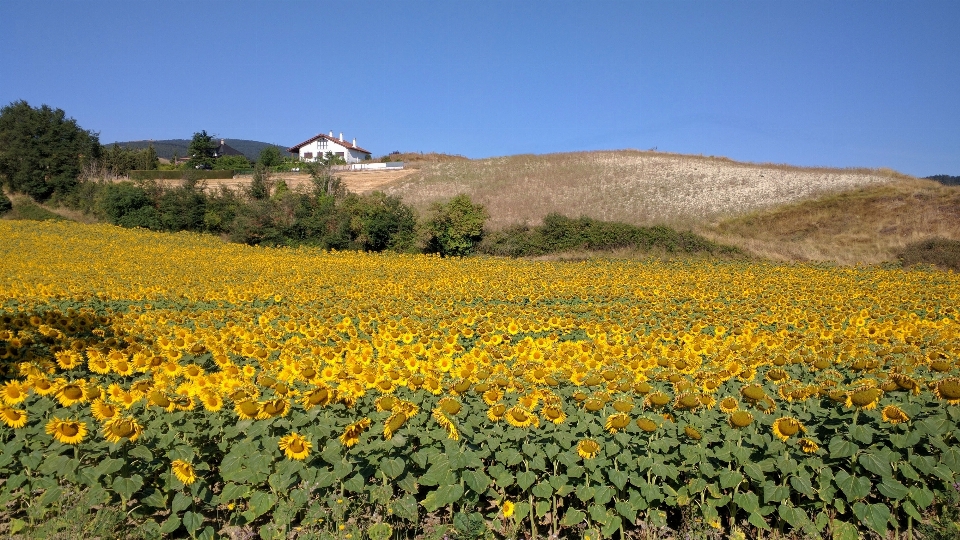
x: 836, y: 83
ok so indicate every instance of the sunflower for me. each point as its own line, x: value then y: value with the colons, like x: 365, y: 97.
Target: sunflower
x: 295, y: 446
x: 184, y: 472
x: 692, y: 432
x: 864, y: 398
x: 67, y: 431
x: 507, y: 508
x: 14, y: 392
x: 42, y: 386
x: 212, y: 401
x: 247, y: 409
x: 740, y: 419
x: 617, y: 422
x: 496, y: 411
x: 274, y: 409
x: 122, y: 428
x: 623, y: 406
x: 894, y: 414
x: 646, y: 424
x: 14, y: 418
x: 519, y: 417
x: 320, y: 396
x: 753, y: 393
x: 809, y: 446
x: 687, y: 401
x: 446, y: 423
x: 102, y: 410
x: 393, y: 423
x: 351, y: 435
x: 385, y: 403
x: 949, y: 390
x: 158, y: 398
x: 554, y: 413
x: 588, y: 448
x: 449, y: 406
x: 656, y: 400
x: 785, y: 427
x: 729, y: 404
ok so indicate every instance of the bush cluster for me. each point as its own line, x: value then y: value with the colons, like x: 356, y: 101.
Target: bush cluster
x: 940, y: 252
x: 217, y: 174
x: 559, y: 233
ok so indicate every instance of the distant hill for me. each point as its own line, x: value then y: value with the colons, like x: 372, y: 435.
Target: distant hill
x: 945, y: 179
x: 167, y: 148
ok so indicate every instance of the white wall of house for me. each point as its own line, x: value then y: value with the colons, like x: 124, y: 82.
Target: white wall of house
x: 321, y: 146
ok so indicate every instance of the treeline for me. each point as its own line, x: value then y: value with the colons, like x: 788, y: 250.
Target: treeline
x: 945, y: 179
x: 559, y: 233
x: 271, y: 214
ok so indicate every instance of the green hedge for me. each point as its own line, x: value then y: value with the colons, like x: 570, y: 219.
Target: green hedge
x: 177, y: 175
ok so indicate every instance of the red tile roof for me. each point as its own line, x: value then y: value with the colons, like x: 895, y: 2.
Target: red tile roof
x: 296, y: 148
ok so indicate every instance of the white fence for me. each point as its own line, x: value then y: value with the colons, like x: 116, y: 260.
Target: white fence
x: 389, y: 166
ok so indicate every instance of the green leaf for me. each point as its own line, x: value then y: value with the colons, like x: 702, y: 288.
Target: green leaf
x: 613, y: 525
x: 841, y: 530
x: 922, y: 496
x: 442, y: 496
x: 354, y: 483
x: 232, y: 492
x: 477, y: 481
x: 141, y: 452
x: 754, y: 471
x: 603, y: 494
x: 911, y: 510
x: 748, y: 501
x: 126, y: 487
x: 756, y: 519
x: 405, y: 508
x: 618, y: 478
x: 260, y: 503
x: 792, y: 515
x: 192, y: 521
x: 171, y: 524
x: 875, y: 464
x: 852, y: 486
x: 729, y: 479
x: 892, y: 488
x: 542, y: 490
x: 841, y: 448
x: 181, y: 501
x: 874, y: 516
x: 109, y: 466
x: 773, y: 492
x: 50, y: 496
x: 526, y: 479
x: 862, y: 433
x: 802, y: 484
x: 627, y: 510
x: 392, y: 467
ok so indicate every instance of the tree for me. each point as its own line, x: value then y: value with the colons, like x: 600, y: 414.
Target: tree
x: 42, y: 152
x: 201, y: 151
x: 260, y: 186
x: 270, y: 157
x: 456, y: 227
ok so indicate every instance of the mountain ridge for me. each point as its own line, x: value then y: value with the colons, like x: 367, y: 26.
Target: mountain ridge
x: 166, y: 148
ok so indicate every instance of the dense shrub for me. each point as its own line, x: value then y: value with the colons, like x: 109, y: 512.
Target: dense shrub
x: 559, y: 233
x: 5, y: 203
x: 117, y: 201
x: 455, y: 227
x: 940, y: 252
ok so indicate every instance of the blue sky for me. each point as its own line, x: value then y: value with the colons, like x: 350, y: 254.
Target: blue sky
x: 840, y: 83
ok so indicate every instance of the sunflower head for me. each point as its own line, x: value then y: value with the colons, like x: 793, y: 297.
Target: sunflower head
x: 617, y: 422
x: 753, y: 393
x: 495, y: 412
x: 740, y: 419
x: 184, y: 471
x: 657, y: 400
x: 786, y: 427
x: 66, y: 431
x: 687, y: 402
x: 449, y: 406
x: 809, y: 446
x: 692, y: 432
x: 894, y: 414
x: 14, y: 418
x: 949, y: 389
x: 729, y: 404
x: 507, y: 508
x: 295, y: 446
x: 646, y: 424
x: 118, y: 429
x: 519, y: 417
x: 864, y: 398
x: 588, y: 448
x: 553, y: 412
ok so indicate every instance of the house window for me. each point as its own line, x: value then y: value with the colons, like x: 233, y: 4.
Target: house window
x: 322, y: 143
x: 339, y: 154
x: 308, y: 155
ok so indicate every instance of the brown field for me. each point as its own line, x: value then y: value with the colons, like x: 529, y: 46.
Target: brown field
x: 355, y: 181
x: 865, y: 225
x: 642, y: 188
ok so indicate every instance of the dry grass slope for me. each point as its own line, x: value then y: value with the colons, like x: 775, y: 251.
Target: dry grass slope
x: 865, y: 225
x: 641, y: 188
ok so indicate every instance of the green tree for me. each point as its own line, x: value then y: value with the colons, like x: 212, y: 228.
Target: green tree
x: 270, y: 157
x: 260, y: 186
x: 42, y: 152
x: 5, y: 203
x: 455, y: 227
x: 379, y: 221
x: 231, y: 163
x: 201, y: 151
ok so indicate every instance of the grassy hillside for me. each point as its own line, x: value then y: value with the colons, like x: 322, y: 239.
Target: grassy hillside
x: 869, y: 224
x: 641, y: 188
x: 167, y: 148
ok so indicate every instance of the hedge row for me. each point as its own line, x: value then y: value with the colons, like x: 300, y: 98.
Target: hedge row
x: 177, y: 175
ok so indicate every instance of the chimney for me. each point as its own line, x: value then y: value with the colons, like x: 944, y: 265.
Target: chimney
x: 331, y: 134
x: 221, y: 142
x: 354, y: 142
x: 341, y: 136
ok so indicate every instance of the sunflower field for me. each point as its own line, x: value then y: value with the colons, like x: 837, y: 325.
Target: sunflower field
x: 205, y: 387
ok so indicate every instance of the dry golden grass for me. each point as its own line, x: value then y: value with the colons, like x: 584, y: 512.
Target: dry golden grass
x: 865, y: 225
x: 642, y: 188
x: 355, y: 181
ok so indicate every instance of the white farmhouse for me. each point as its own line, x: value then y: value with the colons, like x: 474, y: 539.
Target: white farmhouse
x: 317, y: 146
